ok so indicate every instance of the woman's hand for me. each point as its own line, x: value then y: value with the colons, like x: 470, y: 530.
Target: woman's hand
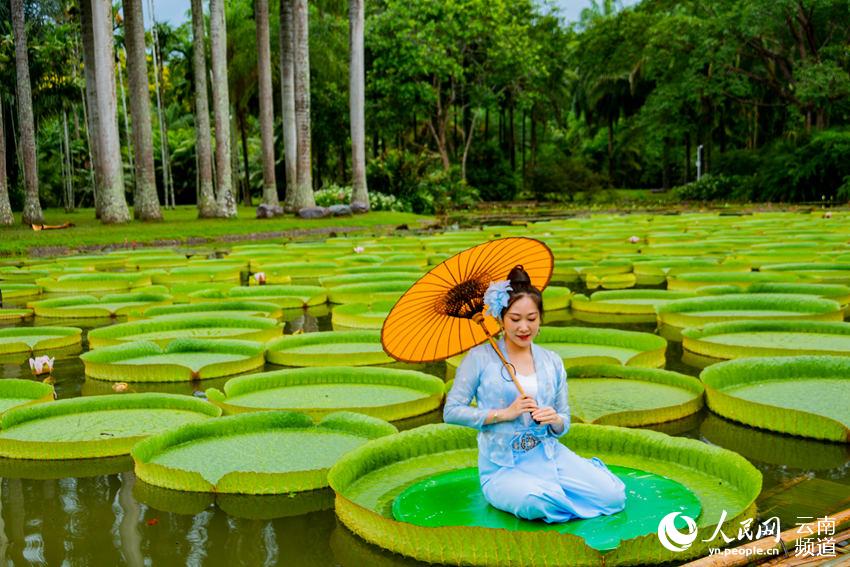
x: 521, y: 405
x: 547, y: 416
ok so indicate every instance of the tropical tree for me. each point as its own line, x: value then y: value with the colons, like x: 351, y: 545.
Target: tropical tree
x: 32, y: 207
x: 304, y: 175
x: 264, y: 77
x: 207, y: 207
x: 145, y: 200
x: 221, y: 109
x: 90, y: 103
x: 113, y: 203
x: 6, y: 217
x: 357, y: 105
x: 287, y: 99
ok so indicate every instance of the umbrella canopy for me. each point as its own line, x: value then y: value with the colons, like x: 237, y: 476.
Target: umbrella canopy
x: 442, y: 314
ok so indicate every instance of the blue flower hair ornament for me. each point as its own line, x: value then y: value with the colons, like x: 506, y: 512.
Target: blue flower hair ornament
x: 496, y: 297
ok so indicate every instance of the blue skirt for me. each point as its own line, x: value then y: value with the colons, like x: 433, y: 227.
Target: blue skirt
x: 557, y: 490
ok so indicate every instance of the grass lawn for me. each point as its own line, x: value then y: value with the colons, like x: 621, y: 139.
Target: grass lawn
x: 179, y: 226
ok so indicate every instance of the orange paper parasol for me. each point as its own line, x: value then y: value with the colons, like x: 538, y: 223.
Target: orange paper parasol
x: 442, y: 314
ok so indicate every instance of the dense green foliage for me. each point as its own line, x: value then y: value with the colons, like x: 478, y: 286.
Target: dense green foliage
x: 470, y: 100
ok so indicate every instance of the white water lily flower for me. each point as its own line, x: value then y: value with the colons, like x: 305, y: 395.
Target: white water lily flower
x: 634, y: 239
x: 358, y: 249
x: 41, y: 365
x: 260, y: 277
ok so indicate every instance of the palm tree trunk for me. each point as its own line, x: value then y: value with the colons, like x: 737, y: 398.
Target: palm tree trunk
x: 113, y: 202
x: 6, y: 217
x: 264, y: 71
x: 203, y: 144
x: 221, y: 109
x: 287, y: 95
x: 357, y: 103
x: 32, y: 207
x: 89, y: 102
x: 146, y: 203
x: 304, y: 177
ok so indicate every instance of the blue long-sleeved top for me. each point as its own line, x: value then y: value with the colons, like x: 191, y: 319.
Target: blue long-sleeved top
x: 482, y: 376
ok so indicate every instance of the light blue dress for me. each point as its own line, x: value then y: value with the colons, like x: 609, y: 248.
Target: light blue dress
x: 549, y: 482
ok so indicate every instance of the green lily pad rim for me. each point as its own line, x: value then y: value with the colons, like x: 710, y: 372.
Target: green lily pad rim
x: 61, y: 337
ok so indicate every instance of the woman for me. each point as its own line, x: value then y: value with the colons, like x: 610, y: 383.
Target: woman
x: 523, y: 468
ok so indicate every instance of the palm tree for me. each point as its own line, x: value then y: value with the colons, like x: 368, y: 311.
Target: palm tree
x: 203, y: 145
x: 221, y: 109
x: 90, y: 108
x: 6, y: 217
x: 287, y: 95
x: 32, y: 207
x: 356, y: 104
x: 145, y: 200
x: 264, y: 71
x: 304, y: 177
x: 113, y: 204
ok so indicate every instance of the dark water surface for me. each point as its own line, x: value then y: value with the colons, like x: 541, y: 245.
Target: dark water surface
x: 96, y: 513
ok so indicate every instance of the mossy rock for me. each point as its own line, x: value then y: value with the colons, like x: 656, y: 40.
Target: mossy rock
x: 164, y: 330
x: 256, y: 453
x: 38, y: 339
x: 368, y: 480
x: 630, y: 396
x: 386, y: 393
x: 102, y: 426
x: 329, y: 348
x: 182, y: 359
x: 801, y: 395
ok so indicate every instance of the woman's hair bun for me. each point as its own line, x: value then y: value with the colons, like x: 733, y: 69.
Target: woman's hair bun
x: 518, y: 276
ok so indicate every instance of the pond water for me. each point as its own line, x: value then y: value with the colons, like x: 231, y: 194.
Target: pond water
x: 98, y: 514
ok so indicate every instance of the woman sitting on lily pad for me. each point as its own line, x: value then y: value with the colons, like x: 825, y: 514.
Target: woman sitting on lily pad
x: 523, y: 468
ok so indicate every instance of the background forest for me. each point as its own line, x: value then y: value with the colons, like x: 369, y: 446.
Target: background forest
x: 469, y: 100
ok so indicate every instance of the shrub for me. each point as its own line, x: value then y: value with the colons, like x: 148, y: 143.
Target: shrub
x: 341, y: 195
x: 712, y: 187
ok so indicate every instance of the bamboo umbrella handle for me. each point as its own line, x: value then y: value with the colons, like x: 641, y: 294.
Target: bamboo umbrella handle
x: 479, y: 318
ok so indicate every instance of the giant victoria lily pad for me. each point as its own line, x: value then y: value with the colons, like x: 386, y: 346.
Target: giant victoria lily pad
x: 360, y: 315
x: 368, y: 480
x: 627, y: 302
x: 214, y: 308
x: 87, y: 306
x: 256, y: 453
x: 631, y: 396
x: 99, y: 282
x: 163, y: 331
x: 738, y: 339
x: 18, y: 290
x: 286, y: 296
x: 182, y: 359
x: 38, y: 339
x: 17, y: 393
x: 699, y: 311
x: 800, y: 395
x: 330, y: 348
x: 102, y: 426
x: 385, y: 393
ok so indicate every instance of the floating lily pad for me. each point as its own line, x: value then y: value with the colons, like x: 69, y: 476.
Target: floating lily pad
x: 18, y: 290
x: 626, y: 302
x: 738, y: 339
x: 800, y: 395
x: 164, y: 330
x: 16, y: 393
x: 385, y: 393
x: 182, y: 359
x: 360, y: 315
x: 256, y: 453
x: 31, y: 469
x: 555, y: 298
x: 14, y: 315
x: 369, y: 479
x: 216, y: 308
x: 454, y: 498
x: 330, y: 348
x: 367, y: 292
x: 185, y: 274
x: 286, y: 296
x: 103, y: 426
x: 692, y: 280
x: 182, y: 291
x: 825, y: 272
x: 630, y: 396
x: 38, y: 339
x: 372, y: 277
x: 87, y: 306
x: 700, y: 311
x: 654, y: 272
x: 96, y: 282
